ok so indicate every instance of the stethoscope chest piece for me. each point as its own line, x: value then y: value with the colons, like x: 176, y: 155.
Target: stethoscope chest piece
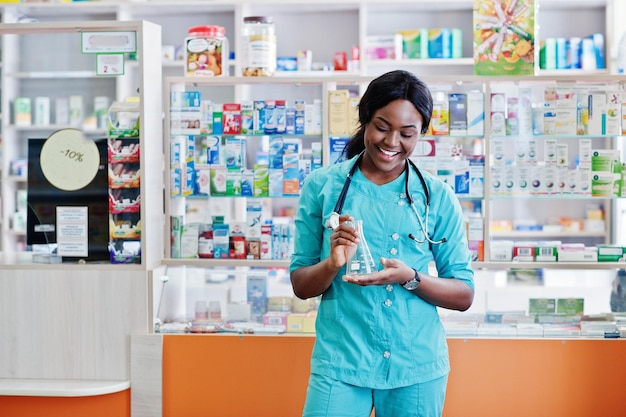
x: 333, y: 221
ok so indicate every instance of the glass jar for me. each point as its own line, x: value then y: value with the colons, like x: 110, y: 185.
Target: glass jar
x: 258, y: 46
x: 206, y: 51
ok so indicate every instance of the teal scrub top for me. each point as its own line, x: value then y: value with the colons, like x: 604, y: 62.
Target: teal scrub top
x: 381, y: 336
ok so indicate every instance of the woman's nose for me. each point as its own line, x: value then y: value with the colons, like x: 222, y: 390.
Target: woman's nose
x: 393, y: 137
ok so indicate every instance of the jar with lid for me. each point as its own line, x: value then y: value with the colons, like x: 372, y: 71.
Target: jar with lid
x: 258, y: 46
x: 206, y: 51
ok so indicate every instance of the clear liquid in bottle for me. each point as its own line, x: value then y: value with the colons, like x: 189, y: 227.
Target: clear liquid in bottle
x: 360, y: 262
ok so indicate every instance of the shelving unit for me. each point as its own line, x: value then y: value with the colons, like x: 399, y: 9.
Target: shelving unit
x: 73, y: 297
x: 556, y: 203
x: 73, y: 73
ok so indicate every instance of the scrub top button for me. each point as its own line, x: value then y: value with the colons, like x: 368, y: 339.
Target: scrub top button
x: 393, y: 251
x: 395, y: 236
x: 387, y: 354
x: 401, y: 203
x: 388, y: 303
x: 389, y: 287
x: 402, y: 196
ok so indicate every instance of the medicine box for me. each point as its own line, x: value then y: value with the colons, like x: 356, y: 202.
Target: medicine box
x: 475, y: 113
x: 580, y: 255
x: 23, y: 111
x: 611, y: 253
x: 414, y: 43
x: 337, y: 146
x: 457, y: 103
x: 338, y: 112
x: 383, y: 47
x: 547, y: 251
x: 280, y: 116
x: 440, y: 120
x: 231, y: 118
x: 261, y: 180
x: 270, y: 117
x: 257, y: 296
x: 570, y: 306
x: 247, y: 118
x: 524, y: 251
x: 541, y: 306
x: 299, y: 106
x: 42, y: 111
x: 291, y: 174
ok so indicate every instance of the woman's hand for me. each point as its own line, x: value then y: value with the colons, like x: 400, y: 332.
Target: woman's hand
x: 343, y: 241
x: 394, y: 272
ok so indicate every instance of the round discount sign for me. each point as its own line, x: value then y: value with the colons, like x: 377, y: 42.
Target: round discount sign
x: 68, y: 160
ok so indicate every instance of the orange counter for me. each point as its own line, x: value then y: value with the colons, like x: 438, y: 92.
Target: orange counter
x: 109, y: 405
x: 233, y: 376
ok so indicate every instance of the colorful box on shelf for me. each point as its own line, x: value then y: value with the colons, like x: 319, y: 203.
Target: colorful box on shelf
x: 301, y: 322
x: 125, y: 252
x: 570, y: 306
x: 120, y: 203
x: 276, y: 318
x: 524, y: 251
x: 121, y: 151
x: 123, y: 119
x: 124, y: 230
x: 123, y: 176
x: 414, y: 43
x: 611, y: 253
x: 383, y: 46
x: 504, y: 37
x: 547, y: 251
x: 584, y: 254
x: 501, y: 250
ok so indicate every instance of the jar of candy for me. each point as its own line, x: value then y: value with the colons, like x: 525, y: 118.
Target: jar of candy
x: 258, y: 46
x: 206, y: 51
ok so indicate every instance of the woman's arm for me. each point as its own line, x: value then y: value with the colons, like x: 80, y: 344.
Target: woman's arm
x: 448, y: 293
x: 311, y: 281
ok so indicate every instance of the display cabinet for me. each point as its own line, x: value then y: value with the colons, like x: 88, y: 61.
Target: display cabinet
x: 555, y: 159
x: 239, y: 148
x: 67, y: 88
x: 90, y: 309
x: 508, y: 146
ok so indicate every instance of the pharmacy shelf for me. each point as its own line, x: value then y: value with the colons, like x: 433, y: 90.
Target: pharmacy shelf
x: 221, y: 263
x: 546, y: 234
x: 549, y: 265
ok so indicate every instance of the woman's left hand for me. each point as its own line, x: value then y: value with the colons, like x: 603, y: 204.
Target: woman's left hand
x: 394, y: 272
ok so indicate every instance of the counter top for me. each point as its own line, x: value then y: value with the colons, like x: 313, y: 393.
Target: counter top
x: 60, y: 387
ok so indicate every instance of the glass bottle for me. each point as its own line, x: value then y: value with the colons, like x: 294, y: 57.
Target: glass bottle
x: 360, y: 261
x: 258, y: 46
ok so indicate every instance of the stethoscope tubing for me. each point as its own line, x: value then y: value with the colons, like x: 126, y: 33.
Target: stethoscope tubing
x: 333, y: 221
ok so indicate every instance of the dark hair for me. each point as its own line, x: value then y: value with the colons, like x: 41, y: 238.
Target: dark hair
x: 391, y: 86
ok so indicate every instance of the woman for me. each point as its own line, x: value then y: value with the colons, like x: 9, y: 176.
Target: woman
x: 380, y: 344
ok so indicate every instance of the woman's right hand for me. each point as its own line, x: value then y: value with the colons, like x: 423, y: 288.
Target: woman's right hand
x: 343, y: 241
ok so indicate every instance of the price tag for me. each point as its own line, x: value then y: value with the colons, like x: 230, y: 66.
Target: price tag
x: 110, y: 64
x: 72, y: 231
x: 68, y: 160
x: 116, y: 41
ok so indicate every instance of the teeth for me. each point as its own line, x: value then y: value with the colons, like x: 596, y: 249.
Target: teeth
x: 388, y: 153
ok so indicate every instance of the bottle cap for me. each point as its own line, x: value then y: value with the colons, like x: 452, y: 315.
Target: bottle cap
x: 208, y: 31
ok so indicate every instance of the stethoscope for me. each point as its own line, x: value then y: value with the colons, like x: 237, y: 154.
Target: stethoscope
x: 333, y: 220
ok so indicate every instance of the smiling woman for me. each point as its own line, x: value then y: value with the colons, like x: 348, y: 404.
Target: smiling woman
x: 394, y: 112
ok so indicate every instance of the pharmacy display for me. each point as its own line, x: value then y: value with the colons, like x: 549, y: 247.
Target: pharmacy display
x: 124, y: 183
x: 67, y: 197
